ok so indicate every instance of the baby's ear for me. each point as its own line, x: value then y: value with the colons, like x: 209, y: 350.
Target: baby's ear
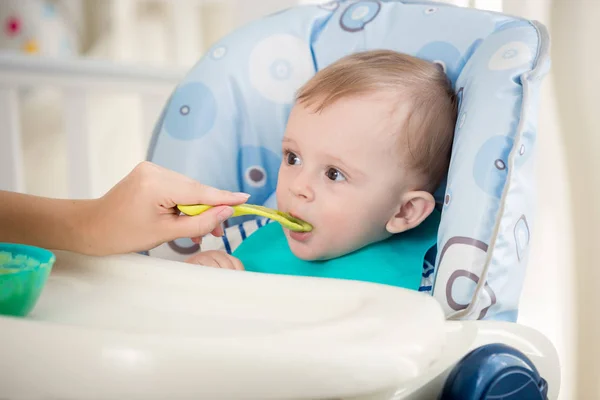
x: 412, y: 210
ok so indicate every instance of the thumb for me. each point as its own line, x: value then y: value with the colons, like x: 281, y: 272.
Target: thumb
x: 202, y: 224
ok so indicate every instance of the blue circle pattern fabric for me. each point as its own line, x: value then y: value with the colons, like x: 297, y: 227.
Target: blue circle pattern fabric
x: 224, y: 123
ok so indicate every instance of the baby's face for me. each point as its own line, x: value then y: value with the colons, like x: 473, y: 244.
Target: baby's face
x: 341, y: 173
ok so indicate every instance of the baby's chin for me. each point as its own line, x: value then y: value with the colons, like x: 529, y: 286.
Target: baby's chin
x: 304, y: 250
x: 308, y: 251
x: 313, y: 250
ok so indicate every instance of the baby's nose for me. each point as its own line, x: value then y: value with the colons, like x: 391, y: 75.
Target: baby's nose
x: 302, y: 189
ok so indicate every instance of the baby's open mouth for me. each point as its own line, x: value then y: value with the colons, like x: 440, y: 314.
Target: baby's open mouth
x: 299, y: 218
x: 300, y: 236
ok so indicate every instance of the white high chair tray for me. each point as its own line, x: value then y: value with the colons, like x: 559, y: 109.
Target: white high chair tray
x: 140, y: 327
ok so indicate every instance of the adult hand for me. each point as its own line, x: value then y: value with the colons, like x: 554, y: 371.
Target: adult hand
x: 139, y: 212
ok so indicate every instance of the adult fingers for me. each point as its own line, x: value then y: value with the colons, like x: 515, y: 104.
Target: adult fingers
x: 193, y: 192
x: 218, y: 231
x: 199, y: 225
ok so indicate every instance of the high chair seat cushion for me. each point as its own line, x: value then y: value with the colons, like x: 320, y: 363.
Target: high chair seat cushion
x: 224, y: 123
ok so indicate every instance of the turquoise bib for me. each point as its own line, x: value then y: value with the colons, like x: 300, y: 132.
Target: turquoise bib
x: 396, y: 261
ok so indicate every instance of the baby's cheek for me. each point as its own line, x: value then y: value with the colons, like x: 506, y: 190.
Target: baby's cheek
x: 279, y: 193
x: 333, y: 219
x: 340, y: 229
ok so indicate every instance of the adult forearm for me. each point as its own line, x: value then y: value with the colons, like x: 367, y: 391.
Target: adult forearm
x: 50, y: 223
x: 138, y: 213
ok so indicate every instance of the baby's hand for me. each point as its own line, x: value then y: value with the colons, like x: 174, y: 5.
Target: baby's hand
x: 215, y: 258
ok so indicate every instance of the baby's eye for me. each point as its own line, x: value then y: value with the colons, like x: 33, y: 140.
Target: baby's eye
x: 292, y: 159
x: 335, y: 175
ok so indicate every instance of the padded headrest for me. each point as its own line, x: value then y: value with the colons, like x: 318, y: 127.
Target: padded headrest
x: 224, y: 123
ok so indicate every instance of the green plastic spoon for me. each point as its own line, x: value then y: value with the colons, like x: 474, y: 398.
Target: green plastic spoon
x: 285, y: 219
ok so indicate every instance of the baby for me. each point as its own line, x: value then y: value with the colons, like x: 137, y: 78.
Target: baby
x: 367, y: 143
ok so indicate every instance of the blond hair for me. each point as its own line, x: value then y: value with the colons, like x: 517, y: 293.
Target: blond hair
x: 429, y: 127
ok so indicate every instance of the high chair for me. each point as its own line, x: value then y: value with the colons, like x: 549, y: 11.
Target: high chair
x: 144, y: 327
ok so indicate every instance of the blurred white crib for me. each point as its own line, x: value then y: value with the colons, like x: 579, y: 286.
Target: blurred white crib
x: 73, y: 127
x: 77, y: 80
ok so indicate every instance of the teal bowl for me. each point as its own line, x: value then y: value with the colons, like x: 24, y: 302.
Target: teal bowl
x: 24, y: 271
